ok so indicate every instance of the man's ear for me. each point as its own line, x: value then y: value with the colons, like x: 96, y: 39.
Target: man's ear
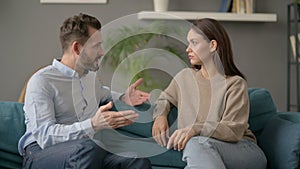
x: 76, y: 47
x: 213, y: 45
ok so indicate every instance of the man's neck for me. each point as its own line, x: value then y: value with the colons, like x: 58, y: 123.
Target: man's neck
x: 71, y: 63
x: 68, y: 62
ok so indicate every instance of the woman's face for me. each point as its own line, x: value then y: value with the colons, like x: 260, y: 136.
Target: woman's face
x: 198, y: 49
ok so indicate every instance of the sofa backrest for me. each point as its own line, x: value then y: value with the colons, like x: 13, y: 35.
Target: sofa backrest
x: 12, y: 127
x: 262, y: 108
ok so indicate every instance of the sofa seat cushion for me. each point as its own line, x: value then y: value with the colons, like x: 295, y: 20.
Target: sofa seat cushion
x: 143, y: 125
x: 138, y: 137
x: 128, y: 144
x: 280, y: 141
x: 12, y: 127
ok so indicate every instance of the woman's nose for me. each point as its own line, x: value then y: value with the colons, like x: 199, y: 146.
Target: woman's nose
x: 188, y: 49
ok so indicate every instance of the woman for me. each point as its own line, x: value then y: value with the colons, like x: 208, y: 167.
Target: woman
x: 213, y: 106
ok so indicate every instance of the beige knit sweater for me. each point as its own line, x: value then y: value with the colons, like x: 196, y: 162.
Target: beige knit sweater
x: 217, y: 108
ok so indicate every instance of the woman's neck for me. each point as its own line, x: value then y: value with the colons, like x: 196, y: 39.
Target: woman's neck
x: 208, y: 70
x: 204, y: 73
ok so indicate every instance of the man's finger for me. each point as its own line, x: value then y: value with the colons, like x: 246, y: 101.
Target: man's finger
x: 145, y: 95
x: 137, y: 83
x: 106, y: 107
x: 128, y: 113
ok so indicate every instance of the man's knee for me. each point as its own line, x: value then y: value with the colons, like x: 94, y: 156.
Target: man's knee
x: 94, y: 150
x: 90, y: 155
x: 140, y: 163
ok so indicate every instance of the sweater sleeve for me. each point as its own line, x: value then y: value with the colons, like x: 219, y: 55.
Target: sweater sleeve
x: 166, y: 100
x: 234, y: 120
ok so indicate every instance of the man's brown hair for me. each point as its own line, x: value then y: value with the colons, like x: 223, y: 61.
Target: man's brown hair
x: 76, y: 29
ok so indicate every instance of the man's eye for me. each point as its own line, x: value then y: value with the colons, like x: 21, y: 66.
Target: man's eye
x: 97, y: 46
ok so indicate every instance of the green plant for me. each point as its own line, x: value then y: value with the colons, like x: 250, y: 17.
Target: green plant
x: 130, y: 41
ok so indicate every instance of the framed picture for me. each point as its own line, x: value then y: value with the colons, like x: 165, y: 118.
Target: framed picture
x: 75, y: 1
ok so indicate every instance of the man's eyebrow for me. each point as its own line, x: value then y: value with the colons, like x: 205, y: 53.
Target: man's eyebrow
x: 97, y: 43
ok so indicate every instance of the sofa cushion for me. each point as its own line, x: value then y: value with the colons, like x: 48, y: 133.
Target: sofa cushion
x: 140, y: 137
x: 280, y: 141
x: 262, y: 108
x: 12, y: 128
x: 143, y: 125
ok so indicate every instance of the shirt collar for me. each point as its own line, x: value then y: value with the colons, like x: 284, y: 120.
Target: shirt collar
x: 67, y: 71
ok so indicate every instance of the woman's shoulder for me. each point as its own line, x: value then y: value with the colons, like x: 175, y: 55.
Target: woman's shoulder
x: 236, y: 81
x: 186, y: 71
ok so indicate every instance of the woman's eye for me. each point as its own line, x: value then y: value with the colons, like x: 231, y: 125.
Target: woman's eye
x: 193, y: 42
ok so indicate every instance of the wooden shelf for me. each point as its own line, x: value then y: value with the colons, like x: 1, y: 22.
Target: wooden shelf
x: 221, y: 16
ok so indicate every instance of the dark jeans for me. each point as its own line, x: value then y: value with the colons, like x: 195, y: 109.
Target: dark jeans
x: 78, y: 154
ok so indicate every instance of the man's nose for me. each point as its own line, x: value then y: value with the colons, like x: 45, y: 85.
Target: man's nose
x: 101, y: 52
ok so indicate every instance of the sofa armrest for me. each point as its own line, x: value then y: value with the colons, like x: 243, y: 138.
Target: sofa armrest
x: 12, y: 127
x: 280, y: 141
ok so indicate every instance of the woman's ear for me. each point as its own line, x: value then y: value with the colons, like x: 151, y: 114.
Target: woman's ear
x: 213, y: 45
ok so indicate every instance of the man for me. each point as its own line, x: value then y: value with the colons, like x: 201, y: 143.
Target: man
x: 62, y: 106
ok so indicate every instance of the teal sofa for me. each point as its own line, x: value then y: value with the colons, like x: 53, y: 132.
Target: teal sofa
x: 277, y: 133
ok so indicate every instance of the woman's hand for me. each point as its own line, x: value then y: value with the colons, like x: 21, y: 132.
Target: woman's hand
x: 180, y: 137
x: 160, y: 130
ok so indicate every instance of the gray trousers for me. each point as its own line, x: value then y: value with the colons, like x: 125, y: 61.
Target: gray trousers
x: 208, y: 153
x: 78, y: 154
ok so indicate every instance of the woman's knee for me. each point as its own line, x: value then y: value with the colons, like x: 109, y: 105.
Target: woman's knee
x: 199, y: 153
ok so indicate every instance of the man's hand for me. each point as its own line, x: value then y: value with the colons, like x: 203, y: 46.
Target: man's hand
x: 133, y: 96
x: 180, y: 137
x: 110, y: 119
x: 160, y: 130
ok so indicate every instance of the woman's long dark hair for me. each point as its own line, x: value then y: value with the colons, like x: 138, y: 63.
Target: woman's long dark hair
x: 213, y: 30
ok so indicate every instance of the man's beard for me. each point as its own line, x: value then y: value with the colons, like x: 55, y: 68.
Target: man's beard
x: 85, y: 63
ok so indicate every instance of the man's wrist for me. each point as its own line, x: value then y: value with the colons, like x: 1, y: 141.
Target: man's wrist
x: 121, y: 98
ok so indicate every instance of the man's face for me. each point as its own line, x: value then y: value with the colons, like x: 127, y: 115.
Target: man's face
x: 91, y: 52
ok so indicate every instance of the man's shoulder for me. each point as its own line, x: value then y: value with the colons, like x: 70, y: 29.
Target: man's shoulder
x: 44, y: 73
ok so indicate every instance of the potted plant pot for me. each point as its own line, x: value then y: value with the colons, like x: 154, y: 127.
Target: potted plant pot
x: 161, y: 5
